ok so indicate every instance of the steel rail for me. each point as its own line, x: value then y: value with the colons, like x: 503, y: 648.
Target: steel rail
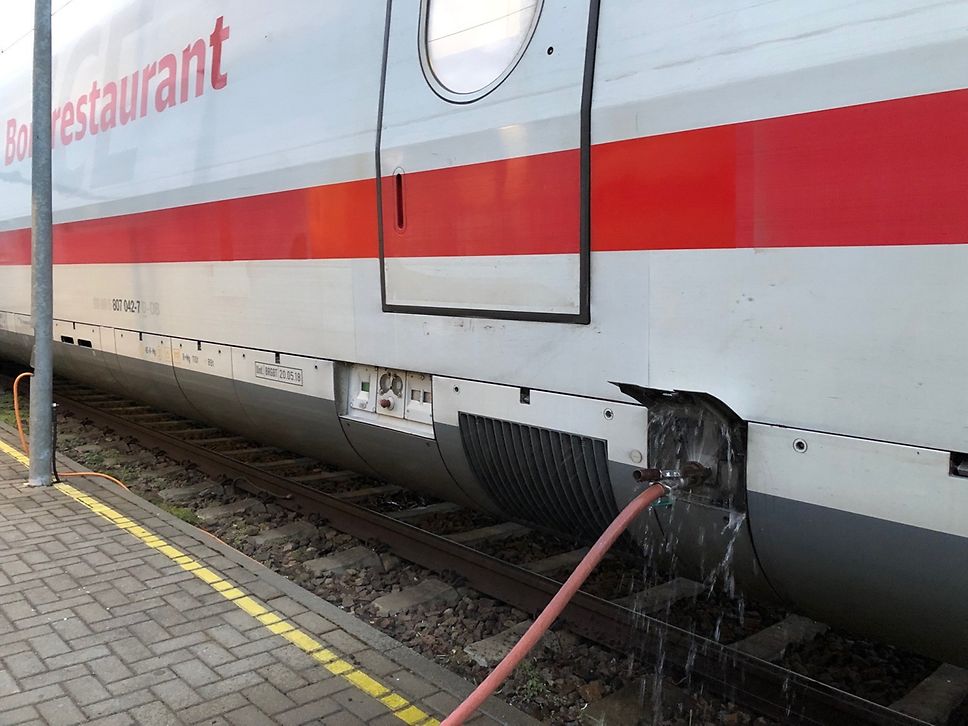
x: 754, y: 684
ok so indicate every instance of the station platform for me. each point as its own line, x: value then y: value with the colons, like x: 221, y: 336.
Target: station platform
x: 113, y: 611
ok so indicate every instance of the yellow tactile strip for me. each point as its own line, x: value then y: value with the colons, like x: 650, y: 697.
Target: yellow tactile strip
x: 13, y: 453
x: 274, y: 622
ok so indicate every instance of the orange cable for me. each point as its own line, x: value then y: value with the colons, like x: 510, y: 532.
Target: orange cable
x: 26, y: 450
x: 26, y: 447
x: 94, y: 473
x: 16, y: 411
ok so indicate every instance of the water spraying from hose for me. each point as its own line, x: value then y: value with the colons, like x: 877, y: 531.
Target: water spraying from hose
x: 668, y: 481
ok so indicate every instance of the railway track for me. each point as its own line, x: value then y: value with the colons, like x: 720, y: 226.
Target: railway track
x: 730, y: 671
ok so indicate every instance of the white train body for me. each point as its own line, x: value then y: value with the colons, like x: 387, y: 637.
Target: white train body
x: 760, y: 206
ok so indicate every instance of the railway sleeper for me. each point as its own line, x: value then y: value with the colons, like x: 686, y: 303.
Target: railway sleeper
x: 772, y: 642
x: 283, y: 463
x: 184, y: 432
x: 427, y: 592
x: 320, y: 476
x: 353, y: 495
x: 293, y: 530
x: 208, y: 515
x: 122, y: 408
x: 189, y: 493
x: 937, y: 696
x: 493, y: 532
x: 349, y: 559
x: 660, y: 598
x: 407, y: 515
x: 557, y: 562
x: 491, y: 651
x: 223, y: 440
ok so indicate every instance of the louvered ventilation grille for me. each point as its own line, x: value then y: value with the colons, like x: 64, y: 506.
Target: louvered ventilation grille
x: 547, y: 477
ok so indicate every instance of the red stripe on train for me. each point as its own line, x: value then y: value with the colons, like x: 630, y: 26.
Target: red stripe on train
x: 887, y: 173
x: 333, y: 221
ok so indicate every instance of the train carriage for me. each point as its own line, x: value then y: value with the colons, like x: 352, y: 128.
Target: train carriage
x: 508, y: 252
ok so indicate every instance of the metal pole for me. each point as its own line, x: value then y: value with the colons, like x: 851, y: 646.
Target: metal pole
x: 42, y: 273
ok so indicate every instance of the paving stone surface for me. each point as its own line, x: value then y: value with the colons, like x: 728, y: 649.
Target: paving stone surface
x: 96, y: 626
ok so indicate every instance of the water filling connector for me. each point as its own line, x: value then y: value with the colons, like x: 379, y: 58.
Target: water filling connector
x: 664, y: 482
x: 691, y: 474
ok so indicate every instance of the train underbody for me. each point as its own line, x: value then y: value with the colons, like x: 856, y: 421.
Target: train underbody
x: 498, y: 448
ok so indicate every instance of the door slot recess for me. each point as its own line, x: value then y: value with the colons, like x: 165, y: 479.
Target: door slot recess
x: 959, y: 464
x: 401, y: 221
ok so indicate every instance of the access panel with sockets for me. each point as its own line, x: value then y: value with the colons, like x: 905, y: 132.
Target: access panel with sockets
x: 397, y: 399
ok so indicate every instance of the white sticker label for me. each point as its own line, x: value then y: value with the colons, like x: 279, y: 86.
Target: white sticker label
x: 279, y: 374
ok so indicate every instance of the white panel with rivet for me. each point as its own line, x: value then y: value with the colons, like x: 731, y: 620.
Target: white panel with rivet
x: 202, y: 357
x: 623, y: 426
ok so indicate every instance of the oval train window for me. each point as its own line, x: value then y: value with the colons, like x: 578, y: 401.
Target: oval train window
x: 470, y: 46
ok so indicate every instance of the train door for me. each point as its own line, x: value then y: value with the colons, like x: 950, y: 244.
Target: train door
x: 483, y: 158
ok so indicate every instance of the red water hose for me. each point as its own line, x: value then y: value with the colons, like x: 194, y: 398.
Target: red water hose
x: 544, y: 621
